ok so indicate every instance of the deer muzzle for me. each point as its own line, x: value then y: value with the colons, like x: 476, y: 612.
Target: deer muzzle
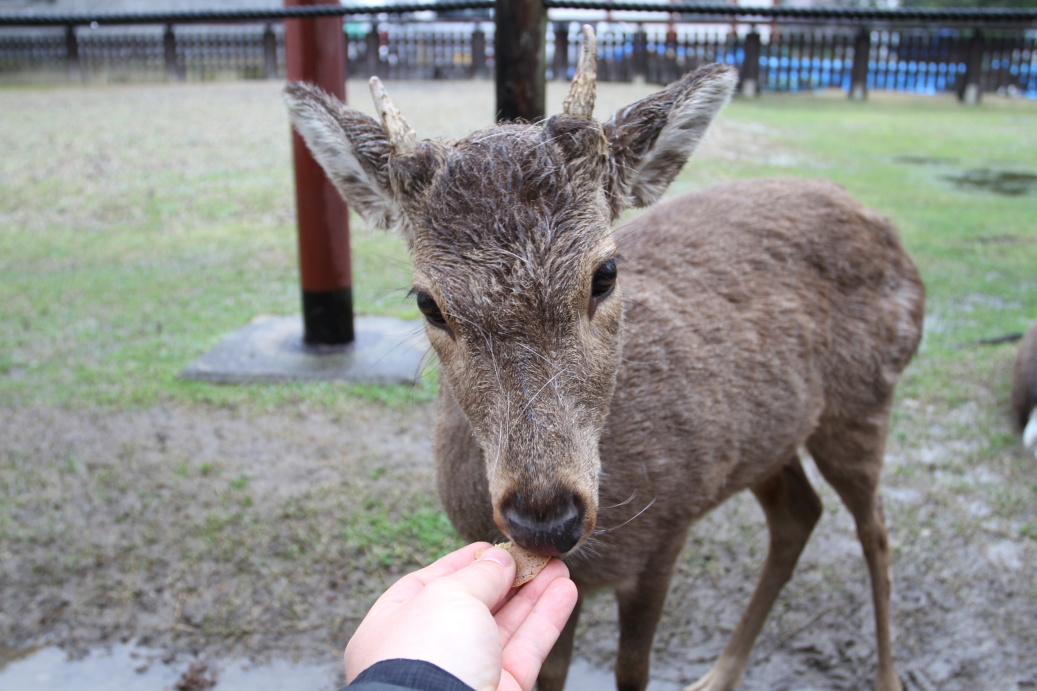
x: 548, y: 526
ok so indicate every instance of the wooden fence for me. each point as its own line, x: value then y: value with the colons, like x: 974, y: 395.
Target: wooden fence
x: 785, y: 59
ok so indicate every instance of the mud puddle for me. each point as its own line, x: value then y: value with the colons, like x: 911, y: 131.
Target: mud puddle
x: 132, y: 668
x: 926, y: 160
x: 1007, y: 183
x: 1002, y: 181
x: 583, y: 676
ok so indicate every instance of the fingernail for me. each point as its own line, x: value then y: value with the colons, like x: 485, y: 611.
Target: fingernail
x: 496, y: 555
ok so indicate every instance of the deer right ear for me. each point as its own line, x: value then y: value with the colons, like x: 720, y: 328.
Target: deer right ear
x: 351, y: 147
x: 651, y: 139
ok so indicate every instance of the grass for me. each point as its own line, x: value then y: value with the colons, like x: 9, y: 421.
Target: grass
x: 116, y: 316
x: 388, y: 536
x: 131, y: 246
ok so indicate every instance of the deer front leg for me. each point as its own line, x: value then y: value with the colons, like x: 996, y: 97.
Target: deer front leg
x: 556, y: 667
x: 792, y: 509
x: 640, y: 607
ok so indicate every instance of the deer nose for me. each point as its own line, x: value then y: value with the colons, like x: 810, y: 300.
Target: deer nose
x: 550, y: 528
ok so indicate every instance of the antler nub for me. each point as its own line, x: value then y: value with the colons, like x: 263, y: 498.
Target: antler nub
x: 402, y: 139
x: 580, y: 101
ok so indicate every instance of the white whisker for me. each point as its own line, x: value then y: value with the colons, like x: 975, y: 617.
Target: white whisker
x: 539, y: 355
x: 534, y: 396
x: 622, y: 503
x: 617, y: 527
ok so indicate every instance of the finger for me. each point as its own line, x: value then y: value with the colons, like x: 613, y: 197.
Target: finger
x: 512, y: 592
x: 529, y: 646
x: 413, y: 583
x: 451, y: 563
x: 487, y: 579
x: 532, y: 589
x: 515, y: 610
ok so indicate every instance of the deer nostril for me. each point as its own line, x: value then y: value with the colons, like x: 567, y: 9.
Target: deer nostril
x: 551, y: 527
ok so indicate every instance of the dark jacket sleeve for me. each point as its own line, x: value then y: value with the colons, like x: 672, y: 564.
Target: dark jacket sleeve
x: 406, y: 675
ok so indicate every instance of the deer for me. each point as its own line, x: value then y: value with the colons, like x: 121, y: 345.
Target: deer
x: 1024, y: 388
x: 601, y: 389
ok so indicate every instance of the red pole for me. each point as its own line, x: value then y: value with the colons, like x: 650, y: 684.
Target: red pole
x: 315, y: 52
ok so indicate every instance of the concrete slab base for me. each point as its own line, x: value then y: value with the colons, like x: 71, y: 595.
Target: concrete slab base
x: 270, y: 349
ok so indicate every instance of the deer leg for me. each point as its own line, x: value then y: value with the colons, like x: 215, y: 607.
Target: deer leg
x: 556, y: 667
x: 851, y: 461
x: 640, y: 606
x: 792, y: 509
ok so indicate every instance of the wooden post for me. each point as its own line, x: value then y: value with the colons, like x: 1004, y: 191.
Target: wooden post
x: 561, y: 59
x: 521, y: 57
x: 270, y: 52
x: 751, y: 65
x: 640, y: 56
x: 478, y: 53
x: 670, y: 69
x: 371, y: 57
x: 970, y: 93
x: 315, y: 51
x: 859, y: 70
x: 173, y: 71
x: 75, y: 70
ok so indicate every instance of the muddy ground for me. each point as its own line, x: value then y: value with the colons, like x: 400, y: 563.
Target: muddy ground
x: 207, y: 532
x: 133, y: 528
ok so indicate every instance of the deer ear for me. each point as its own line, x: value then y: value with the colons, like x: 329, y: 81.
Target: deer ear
x: 651, y: 139
x: 352, y: 148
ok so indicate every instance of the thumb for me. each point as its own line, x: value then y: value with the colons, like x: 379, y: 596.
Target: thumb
x: 489, y: 577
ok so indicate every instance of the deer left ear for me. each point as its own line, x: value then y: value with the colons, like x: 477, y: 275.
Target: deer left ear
x: 652, y: 139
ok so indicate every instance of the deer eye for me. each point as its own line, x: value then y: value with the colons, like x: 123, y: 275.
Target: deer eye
x: 604, y: 280
x: 430, y: 309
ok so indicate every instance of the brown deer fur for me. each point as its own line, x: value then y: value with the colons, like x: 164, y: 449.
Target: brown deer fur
x: 746, y: 321
x: 1024, y: 388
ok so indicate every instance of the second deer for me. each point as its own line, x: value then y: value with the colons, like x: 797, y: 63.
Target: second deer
x: 1024, y: 388
x: 602, y: 389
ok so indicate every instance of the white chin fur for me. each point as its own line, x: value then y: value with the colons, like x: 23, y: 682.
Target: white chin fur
x: 1030, y: 433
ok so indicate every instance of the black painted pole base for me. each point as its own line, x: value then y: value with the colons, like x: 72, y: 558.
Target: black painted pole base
x: 328, y: 317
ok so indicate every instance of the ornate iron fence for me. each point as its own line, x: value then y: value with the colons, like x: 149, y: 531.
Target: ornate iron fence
x: 776, y: 56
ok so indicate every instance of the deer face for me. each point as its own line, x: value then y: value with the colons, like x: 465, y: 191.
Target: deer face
x: 516, y: 271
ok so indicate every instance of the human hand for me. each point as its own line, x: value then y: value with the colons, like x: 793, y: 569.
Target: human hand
x: 461, y: 614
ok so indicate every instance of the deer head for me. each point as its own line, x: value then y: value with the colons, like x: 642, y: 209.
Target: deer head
x: 515, y: 267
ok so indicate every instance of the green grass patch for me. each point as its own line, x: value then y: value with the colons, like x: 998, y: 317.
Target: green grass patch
x: 112, y: 319
x: 412, y: 535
